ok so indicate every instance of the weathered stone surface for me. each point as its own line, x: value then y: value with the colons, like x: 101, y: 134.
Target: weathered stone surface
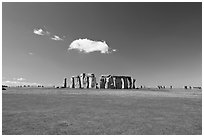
x: 72, y: 82
x: 130, y: 82
x: 83, y: 81
x: 125, y: 82
x: 79, y: 81
x: 110, y: 83
x: 118, y: 82
x: 133, y: 83
x: 93, y: 83
x: 65, y: 82
x: 87, y: 80
x: 102, y: 83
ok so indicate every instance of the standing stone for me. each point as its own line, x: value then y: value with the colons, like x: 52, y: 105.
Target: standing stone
x: 118, y: 82
x: 102, y: 82
x: 93, y: 82
x: 106, y: 83
x: 79, y: 81
x: 87, y: 79
x: 130, y: 82
x: 114, y: 84
x: 122, y: 81
x: 73, y: 83
x: 125, y: 82
x: 65, y: 82
x: 83, y: 80
x: 134, y: 83
x: 110, y: 83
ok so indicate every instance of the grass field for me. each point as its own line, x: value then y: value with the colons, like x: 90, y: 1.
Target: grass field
x: 33, y: 111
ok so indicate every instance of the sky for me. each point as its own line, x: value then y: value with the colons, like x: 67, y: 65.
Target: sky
x: 155, y: 43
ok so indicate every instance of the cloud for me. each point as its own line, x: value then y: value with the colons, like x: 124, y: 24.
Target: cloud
x: 18, y: 83
x: 114, y: 50
x: 30, y: 53
x: 9, y: 82
x: 87, y: 46
x: 21, y: 79
x: 41, y: 32
x: 44, y: 32
x: 55, y: 37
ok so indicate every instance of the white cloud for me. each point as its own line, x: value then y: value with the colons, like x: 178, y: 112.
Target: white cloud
x: 41, y: 32
x: 38, y: 32
x: 18, y: 83
x: 87, y: 46
x: 30, y: 53
x: 114, y: 50
x: 55, y: 37
x: 21, y: 79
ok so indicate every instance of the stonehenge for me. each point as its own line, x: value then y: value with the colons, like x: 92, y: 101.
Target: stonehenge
x: 88, y: 81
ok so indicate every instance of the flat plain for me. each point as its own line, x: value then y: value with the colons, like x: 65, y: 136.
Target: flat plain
x: 49, y: 111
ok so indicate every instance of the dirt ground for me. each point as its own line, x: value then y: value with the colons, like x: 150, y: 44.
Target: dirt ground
x: 47, y: 111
